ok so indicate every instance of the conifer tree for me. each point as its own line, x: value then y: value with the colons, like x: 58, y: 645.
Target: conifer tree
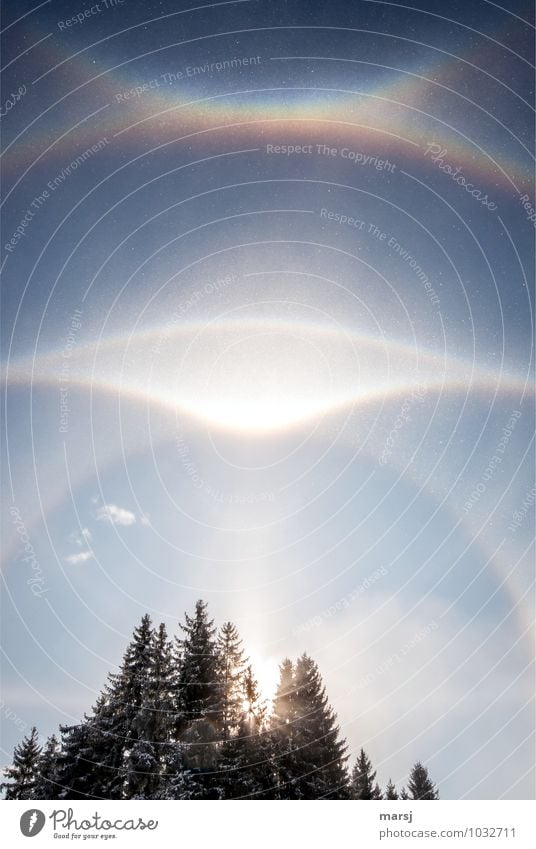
x: 321, y: 752
x: 180, y: 780
x: 162, y: 687
x: 363, y: 781
x: 254, y: 706
x: 420, y: 786
x: 282, y: 722
x: 46, y: 786
x: 88, y: 762
x: 246, y: 768
x: 23, y: 771
x: 158, y: 712
x: 231, y: 671
x: 155, y: 720
x: 190, y: 723
x: 74, y: 773
x: 200, y: 754
x: 390, y: 791
x: 310, y: 758
x: 129, y: 695
x: 283, y: 706
x: 198, y: 687
x: 107, y: 756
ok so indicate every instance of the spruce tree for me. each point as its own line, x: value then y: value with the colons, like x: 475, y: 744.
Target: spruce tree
x: 310, y: 757
x: 159, y: 711
x: 390, y: 791
x: 88, y: 762
x: 362, y: 783
x: 321, y: 753
x: 180, y: 781
x: 46, y: 785
x: 254, y: 706
x: 129, y: 693
x: 190, y: 723
x: 74, y: 774
x: 246, y: 768
x: 231, y: 671
x: 283, y: 704
x: 282, y: 723
x: 420, y: 785
x: 200, y: 754
x: 155, y: 720
x: 198, y: 687
x: 107, y: 756
x: 23, y: 772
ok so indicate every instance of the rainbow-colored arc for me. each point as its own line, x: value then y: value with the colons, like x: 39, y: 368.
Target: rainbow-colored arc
x: 390, y: 119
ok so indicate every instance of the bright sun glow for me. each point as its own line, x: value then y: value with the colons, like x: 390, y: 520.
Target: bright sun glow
x: 258, y: 378
x: 259, y: 382
x: 266, y: 670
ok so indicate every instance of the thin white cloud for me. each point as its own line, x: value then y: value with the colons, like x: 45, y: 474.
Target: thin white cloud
x: 79, y: 557
x: 116, y: 515
x: 81, y: 538
x: 86, y: 533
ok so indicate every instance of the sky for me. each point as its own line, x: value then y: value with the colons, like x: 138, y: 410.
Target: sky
x: 267, y: 315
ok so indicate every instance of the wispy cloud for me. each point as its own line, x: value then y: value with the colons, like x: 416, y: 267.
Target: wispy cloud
x: 81, y: 538
x: 79, y: 557
x: 116, y: 515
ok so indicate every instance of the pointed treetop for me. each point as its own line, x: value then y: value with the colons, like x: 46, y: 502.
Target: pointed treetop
x: 420, y: 786
x: 390, y: 791
x: 363, y: 780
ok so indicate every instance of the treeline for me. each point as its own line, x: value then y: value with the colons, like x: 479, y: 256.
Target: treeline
x: 184, y: 719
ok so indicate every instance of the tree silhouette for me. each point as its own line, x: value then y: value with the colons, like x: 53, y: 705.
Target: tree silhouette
x: 187, y: 721
x: 363, y: 784
x: 420, y: 785
x: 24, y: 770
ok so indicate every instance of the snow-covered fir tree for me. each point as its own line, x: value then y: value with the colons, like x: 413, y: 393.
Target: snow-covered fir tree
x: 321, y: 751
x: 189, y: 722
x: 231, y: 668
x: 198, y: 687
x: 197, y: 765
x: 88, y: 761
x: 23, y: 772
x: 282, y: 722
x: 46, y: 786
x: 246, y: 768
x: 283, y: 705
x: 310, y: 757
x: 107, y: 756
x: 363, y: 784
x: 129, y: 694
x: 181, y: 781
x: 158, y: 710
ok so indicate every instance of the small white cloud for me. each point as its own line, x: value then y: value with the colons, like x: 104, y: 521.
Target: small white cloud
x: 79, y: 557
x: 81, y: 539
x: 145, y: 520
x: 116, y: 515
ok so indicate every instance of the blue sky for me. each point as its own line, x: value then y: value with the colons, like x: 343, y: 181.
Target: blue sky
x: 267, y: 340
